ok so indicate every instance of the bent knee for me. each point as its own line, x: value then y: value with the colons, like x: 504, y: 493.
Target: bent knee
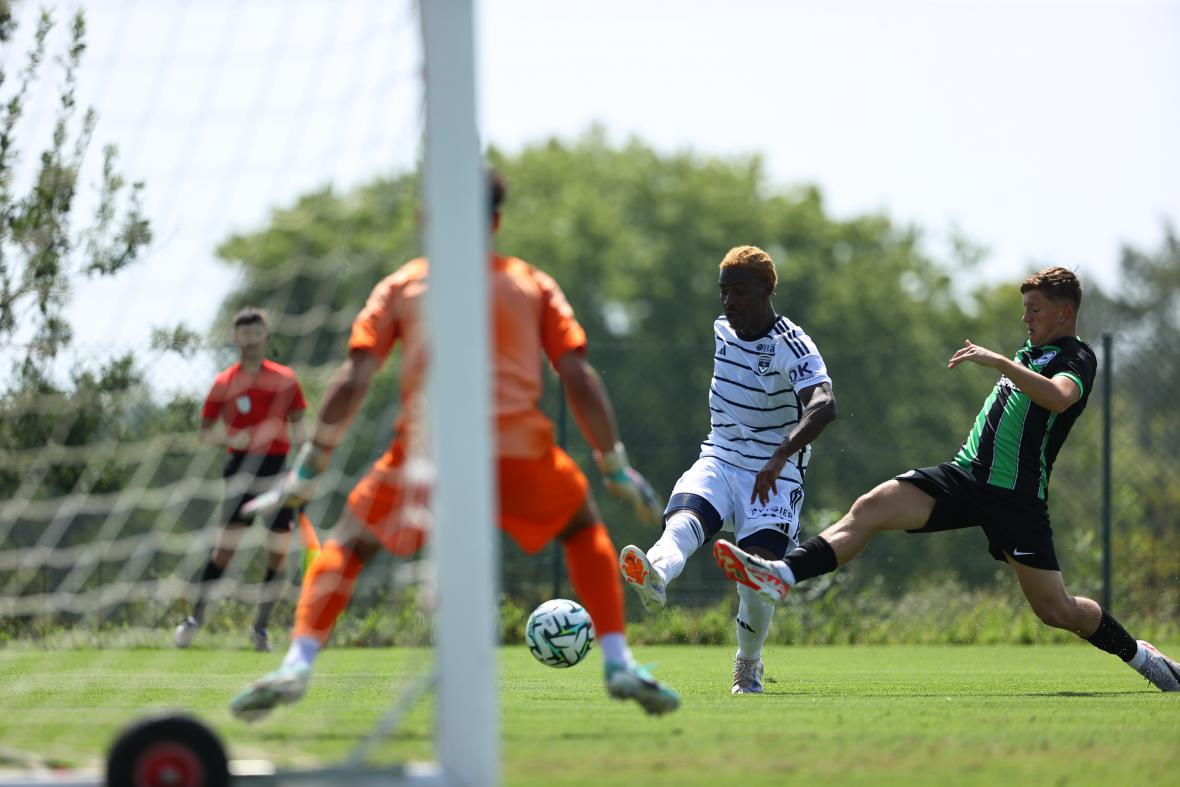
x: 1057, y: 614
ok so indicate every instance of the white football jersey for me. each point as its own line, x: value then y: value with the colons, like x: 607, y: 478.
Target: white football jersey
x: 753, y: 397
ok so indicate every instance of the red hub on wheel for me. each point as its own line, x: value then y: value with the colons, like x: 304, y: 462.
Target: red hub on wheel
x: 169, y: 764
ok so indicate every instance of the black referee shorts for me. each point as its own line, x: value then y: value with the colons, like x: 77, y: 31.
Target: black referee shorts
x: 242, y: 475
x: 1016, y: 525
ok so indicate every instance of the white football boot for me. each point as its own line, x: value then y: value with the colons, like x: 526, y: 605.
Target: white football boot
x: 752, y: 571
x: 186, y: 632
x: 639, y: 573
x: 1161, y: 671
x: 747, y: 676
x: 259, y: 639
x: 281, y: 687
x: 633, y: 682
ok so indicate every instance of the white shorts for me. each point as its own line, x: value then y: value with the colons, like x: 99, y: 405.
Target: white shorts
x: 728, y: 489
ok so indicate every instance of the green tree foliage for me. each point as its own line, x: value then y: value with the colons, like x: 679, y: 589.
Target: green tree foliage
x: 40, y: 250
x: 42, y: 253
x: 635, y: 237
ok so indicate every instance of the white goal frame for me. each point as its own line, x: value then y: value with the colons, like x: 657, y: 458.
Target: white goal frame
x: 460, y: 391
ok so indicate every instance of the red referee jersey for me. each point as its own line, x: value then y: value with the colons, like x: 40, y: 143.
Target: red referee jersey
x: 260, y: 403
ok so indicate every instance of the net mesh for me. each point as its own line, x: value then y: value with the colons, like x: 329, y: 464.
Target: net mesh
x: 243, y: 120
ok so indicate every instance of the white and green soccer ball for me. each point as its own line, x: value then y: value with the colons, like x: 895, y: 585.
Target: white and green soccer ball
x: 559, y: 633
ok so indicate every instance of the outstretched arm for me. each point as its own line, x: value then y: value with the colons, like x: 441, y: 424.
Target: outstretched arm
x: 1055, y: 394
x: 588, y: 399
x: 819, y: 410
x: 346, y: 391
x: 596, y: 418
x: 343, y: 398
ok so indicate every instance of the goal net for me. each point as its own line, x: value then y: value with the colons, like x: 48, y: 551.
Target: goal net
x: 292, y: 155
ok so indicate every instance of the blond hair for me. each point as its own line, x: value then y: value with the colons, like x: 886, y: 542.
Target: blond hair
x: 751, y: 257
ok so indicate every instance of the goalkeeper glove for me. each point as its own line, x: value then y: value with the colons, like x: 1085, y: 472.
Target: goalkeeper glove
x: 625, y: 483
x: 297, y: 486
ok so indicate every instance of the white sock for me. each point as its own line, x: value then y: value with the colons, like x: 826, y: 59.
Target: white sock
x: 614, y: 648
x: 753, y: 623
x: 683, y: 535
x: 785, y: 572
x: 302, y: 652
x: 1139, y: 659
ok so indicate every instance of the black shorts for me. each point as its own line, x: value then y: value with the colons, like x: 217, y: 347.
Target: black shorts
x: 240, y: 472
x: 1016, y: 525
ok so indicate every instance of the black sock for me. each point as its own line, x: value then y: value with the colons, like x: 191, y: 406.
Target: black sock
x: 813, y: 558
x: 1113, y: 638
x: 270, y: 594
x: 211, y: 573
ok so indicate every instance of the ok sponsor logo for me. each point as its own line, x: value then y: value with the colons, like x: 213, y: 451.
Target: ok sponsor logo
x: 802, y: 372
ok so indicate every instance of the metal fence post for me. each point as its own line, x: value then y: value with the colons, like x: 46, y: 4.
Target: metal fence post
x: 1107, y: 450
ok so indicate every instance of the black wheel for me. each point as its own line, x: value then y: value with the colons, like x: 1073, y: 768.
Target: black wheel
x: 167, y: 751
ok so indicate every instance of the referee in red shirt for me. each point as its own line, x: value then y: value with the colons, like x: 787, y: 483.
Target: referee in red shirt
x: 261, y: 406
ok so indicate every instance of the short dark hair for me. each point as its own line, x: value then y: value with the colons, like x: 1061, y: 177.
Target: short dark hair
x: 251, y: 315
x: 497, y: 191
x: 1058, y: 284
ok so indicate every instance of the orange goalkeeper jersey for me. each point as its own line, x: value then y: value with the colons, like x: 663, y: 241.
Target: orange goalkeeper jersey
x: 530, y: 315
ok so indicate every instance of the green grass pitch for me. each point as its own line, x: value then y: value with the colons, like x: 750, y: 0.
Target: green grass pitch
x: 1049, y: 715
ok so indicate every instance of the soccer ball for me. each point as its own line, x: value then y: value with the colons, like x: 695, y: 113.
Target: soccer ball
x: 559, y: 633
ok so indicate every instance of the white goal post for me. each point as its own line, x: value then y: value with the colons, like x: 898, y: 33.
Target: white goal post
x: 459, y: 393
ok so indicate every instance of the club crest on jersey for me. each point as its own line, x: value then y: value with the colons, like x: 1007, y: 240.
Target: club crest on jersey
x: 1044, y: 359
x: 243, y: 403
x: 764, y: 363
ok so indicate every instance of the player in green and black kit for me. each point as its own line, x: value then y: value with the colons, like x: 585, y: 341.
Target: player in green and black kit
x: 998, y: 481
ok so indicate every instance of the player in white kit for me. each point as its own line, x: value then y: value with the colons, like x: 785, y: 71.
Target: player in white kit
x: 769, y: 398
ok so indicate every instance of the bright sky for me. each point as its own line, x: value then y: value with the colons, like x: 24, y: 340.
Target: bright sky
x: 1046, y: 131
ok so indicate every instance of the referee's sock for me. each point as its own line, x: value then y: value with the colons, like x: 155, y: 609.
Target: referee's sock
x: 212, y: 573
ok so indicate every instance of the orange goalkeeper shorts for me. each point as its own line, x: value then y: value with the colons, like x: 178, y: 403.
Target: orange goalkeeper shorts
x: 538, y: 498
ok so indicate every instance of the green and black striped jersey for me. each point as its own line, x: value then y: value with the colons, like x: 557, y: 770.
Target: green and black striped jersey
x: 1014, y: 441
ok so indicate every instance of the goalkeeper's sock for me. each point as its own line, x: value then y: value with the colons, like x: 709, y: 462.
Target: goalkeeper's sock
x: 813, y: 558
x: 327, y: 589
x: 594, y: 573
x: 614, y: 648
x: 302, y: 652
x: 753, y: 623
x: 683, y: 535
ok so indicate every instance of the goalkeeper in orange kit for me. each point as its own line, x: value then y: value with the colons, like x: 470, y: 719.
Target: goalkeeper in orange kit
x: 530, y: 316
